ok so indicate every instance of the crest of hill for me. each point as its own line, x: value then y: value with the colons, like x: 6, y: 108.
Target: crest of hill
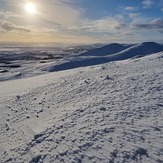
x: 142, y: 49
x: 106, y: 50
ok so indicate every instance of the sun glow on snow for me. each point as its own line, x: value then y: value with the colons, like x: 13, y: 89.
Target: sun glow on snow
x: 30, y: 8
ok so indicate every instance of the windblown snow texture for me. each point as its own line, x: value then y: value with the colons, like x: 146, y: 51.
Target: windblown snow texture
x: 104, y: 113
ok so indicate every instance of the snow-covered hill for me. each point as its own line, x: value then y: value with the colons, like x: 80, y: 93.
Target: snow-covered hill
x: 141, y: 49
x: 87, y: 59
x: 106, y: 50
x: 104, y: 113
x: 28, y: 62
x: 131, y: 50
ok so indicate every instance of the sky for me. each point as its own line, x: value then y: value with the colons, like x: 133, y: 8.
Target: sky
x: 81, y: 21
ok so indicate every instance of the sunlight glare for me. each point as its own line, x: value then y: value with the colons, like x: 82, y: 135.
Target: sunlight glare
x: 30, y: 8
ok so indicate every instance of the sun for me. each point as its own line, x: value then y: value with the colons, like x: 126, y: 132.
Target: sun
x: 30, y: 8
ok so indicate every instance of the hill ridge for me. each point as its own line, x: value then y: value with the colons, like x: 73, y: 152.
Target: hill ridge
x: 141, y: 49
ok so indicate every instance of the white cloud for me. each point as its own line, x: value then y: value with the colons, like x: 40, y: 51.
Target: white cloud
x: 133, y: 15
x: 65, y: 13
x: 104, y: 25
x: 7, y: 22
x: 61, y: 12
x: 130, y: 8
x: 147, y: 3
x: 64, y: 19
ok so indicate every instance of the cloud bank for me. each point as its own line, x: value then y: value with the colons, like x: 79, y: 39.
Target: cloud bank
x: 7, y: 26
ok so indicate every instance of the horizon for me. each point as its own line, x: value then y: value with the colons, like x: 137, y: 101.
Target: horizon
x: 60, y: 44
x: 82, y: 22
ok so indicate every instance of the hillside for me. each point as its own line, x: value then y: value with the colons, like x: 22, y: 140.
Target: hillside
x: 106, y: 50
x: 137, y: 50
x: 105, y: 113
x: 141, y: 49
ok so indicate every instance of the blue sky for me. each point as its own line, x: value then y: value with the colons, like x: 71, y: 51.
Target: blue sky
x: 81, y: 21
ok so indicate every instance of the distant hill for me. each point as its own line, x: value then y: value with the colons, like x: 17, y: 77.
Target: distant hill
x: 106, y: 50
x: 141, y: 49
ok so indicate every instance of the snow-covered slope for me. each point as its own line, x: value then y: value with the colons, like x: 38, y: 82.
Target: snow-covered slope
x: 142, y: 49
x: 106, y: 50
x: 137, y: 50
x: 106, y: 113
x: 30, y: 62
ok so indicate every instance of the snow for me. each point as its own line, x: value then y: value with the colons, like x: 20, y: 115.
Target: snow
x: 104, y: 55
x: 110, y: 112
x: 135, y: 49
x: 106, y: 50
x: 23, y: 62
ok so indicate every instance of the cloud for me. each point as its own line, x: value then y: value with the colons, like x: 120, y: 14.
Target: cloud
x: 62, y: 15
x: 161, y: 31
x: 63, y: 12
x: 156, y: 24
x: 104, y: 25
x: 130, y: 8
x: 66, y: 20
x: 147, y: 3
x: 9, y: 14
x: 8, y: 26
x: 133, y: 15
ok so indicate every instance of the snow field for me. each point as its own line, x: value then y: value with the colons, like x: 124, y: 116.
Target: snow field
x: 105, y: 113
